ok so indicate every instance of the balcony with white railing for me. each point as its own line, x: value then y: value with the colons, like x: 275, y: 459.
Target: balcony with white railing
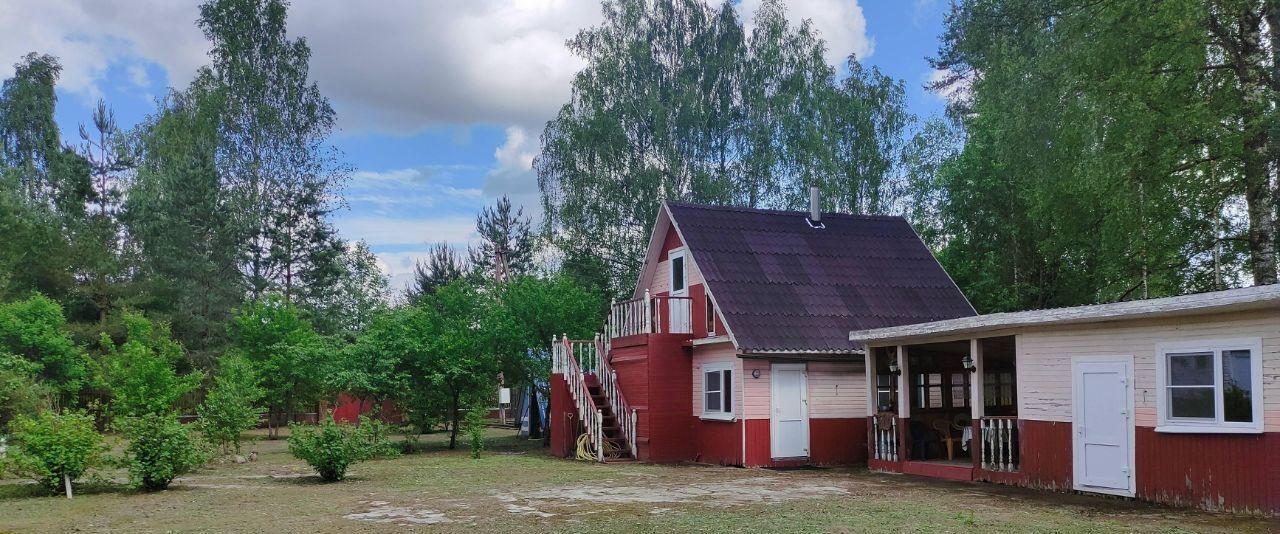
x: 662, y: 314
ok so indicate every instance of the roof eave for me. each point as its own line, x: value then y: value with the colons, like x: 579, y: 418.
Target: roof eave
x: 1246, y: 299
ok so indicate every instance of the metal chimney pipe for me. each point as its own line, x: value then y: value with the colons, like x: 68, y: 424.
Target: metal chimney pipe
x: 815, y: 212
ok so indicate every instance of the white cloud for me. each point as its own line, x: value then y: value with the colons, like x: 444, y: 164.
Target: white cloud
x: 840, y: 23
x: 90, y: 36
x: 512, y: 174
x: 957, y: 92
x: 407, y: 231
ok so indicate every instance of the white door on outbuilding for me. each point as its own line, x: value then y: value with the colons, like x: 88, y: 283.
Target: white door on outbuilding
x: 1102, y: 414
x: 789, y: 429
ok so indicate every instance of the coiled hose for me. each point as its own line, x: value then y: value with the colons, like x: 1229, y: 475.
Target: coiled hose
x: 586, y: 453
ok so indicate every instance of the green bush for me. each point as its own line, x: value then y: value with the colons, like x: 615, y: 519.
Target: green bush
x: 47, y: 446
x: 231, y: 405
x: 160, y: 448
x: 377, y: 435
x: 20, y: 392
x: 330, y: 448
x: 475, y: 428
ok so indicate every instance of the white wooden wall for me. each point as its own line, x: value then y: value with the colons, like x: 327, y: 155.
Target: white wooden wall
x: 1044, y: 359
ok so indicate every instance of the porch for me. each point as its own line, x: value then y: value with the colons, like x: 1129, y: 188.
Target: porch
x: 946, y: 409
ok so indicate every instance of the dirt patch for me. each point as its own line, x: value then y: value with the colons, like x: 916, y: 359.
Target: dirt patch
x: 754, y: 490
x: 385, y: 512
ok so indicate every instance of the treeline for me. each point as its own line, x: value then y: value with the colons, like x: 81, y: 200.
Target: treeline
x: 208, y: 226
x: 678, y: 100
x: 1093, y: 151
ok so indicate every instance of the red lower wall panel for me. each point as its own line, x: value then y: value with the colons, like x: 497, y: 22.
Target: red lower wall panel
x: 759, y: 448
x: 718, y: 442
x: 832, y: 442
x: 564, y: 422
x: 1229, y: 472
x: 1046, y: 463
x: 838, y: 441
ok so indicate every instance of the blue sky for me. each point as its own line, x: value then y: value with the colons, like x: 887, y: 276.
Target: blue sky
x: 440, y: 103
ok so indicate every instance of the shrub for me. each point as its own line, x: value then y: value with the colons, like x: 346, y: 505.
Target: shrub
x: 49, y: 446
x: 377, y: 435
x: 20, y: 393
x: 231, y: 406
x: 475, y: 428
x: 160, y: 448
x: 329, y: 448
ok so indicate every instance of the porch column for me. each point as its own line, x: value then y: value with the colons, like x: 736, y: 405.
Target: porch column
x: 976, y: 403
x: 904, y: 397
x: 869, y: 372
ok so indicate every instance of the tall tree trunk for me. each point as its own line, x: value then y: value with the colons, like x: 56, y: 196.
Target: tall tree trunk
x: 535, y: 414
x: 453, y: 426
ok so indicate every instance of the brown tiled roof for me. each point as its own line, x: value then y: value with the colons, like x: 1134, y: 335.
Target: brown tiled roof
x: 784, y: 286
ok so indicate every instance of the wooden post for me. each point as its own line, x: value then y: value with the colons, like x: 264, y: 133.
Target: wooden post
x: 977, y: 403
x: 648, y: 313
x: 66, y: 481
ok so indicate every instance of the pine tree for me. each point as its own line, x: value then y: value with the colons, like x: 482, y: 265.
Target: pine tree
x: 506, y: 241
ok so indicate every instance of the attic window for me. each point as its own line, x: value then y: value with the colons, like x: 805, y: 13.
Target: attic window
x: 678, y: 281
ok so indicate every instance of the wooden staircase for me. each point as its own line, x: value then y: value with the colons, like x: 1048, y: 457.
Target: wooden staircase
x: 605, y: 419
x: 610, y: 424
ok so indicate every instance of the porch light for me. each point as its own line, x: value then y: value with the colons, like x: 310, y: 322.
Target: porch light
x: 967, y: 362
x: 893, y: 368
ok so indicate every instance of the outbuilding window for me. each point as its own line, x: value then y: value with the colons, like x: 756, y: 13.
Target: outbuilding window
x: 717, y: 390
x: 1210, y: 386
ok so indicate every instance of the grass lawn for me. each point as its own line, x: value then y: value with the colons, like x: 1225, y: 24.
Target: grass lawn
x: 516, y: 486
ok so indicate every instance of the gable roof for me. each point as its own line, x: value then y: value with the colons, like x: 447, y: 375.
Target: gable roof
x: 782, y: 286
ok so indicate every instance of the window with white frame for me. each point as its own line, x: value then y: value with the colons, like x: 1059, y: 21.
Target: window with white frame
x: 1210, y: 386
x: 679, y: 282
x: 717, y: 390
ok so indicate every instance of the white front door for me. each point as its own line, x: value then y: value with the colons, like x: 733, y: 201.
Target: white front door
x: 789, y: 428
x: 1102, y: 410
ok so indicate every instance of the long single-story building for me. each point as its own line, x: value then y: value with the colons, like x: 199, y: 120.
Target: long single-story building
x: 1173, y: 400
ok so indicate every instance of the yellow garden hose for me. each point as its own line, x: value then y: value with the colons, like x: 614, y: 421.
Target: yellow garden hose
x: 611, y: 450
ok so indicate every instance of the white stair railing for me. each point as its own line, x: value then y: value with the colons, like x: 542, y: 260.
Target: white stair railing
x: 565, y: 361
x: 622, y: 412
x: 1000, y: 443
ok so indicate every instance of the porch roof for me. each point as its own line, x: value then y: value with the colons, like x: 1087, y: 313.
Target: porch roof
x: 1248, y: 298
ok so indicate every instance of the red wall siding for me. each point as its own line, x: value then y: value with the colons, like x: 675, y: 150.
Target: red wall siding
x: 348, y: 410
x: 670, y: 399
x: 1211, y: 471
x: 563, y: 418
x: 670, y: 241
x: 719, y: 442
x: 759, y: 446
x: 837, y: 441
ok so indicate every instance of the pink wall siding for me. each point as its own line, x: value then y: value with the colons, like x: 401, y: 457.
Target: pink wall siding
x: 756, y: 392
x: 837, y: 390
x: 717, y: 353
x: 1044, y: 359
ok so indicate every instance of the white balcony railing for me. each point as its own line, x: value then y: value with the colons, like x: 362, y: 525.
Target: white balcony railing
x: 662, y: 314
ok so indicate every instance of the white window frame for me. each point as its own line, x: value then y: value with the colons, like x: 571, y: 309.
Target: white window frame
x: 1166, y: 423
x: 726, y: 404
x: 684, y: 275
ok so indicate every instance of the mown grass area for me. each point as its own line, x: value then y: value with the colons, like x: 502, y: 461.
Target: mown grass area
x: 516, y: 486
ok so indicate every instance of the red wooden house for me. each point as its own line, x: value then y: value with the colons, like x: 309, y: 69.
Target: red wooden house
x: 768, y: 338
x: 735, y: 348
